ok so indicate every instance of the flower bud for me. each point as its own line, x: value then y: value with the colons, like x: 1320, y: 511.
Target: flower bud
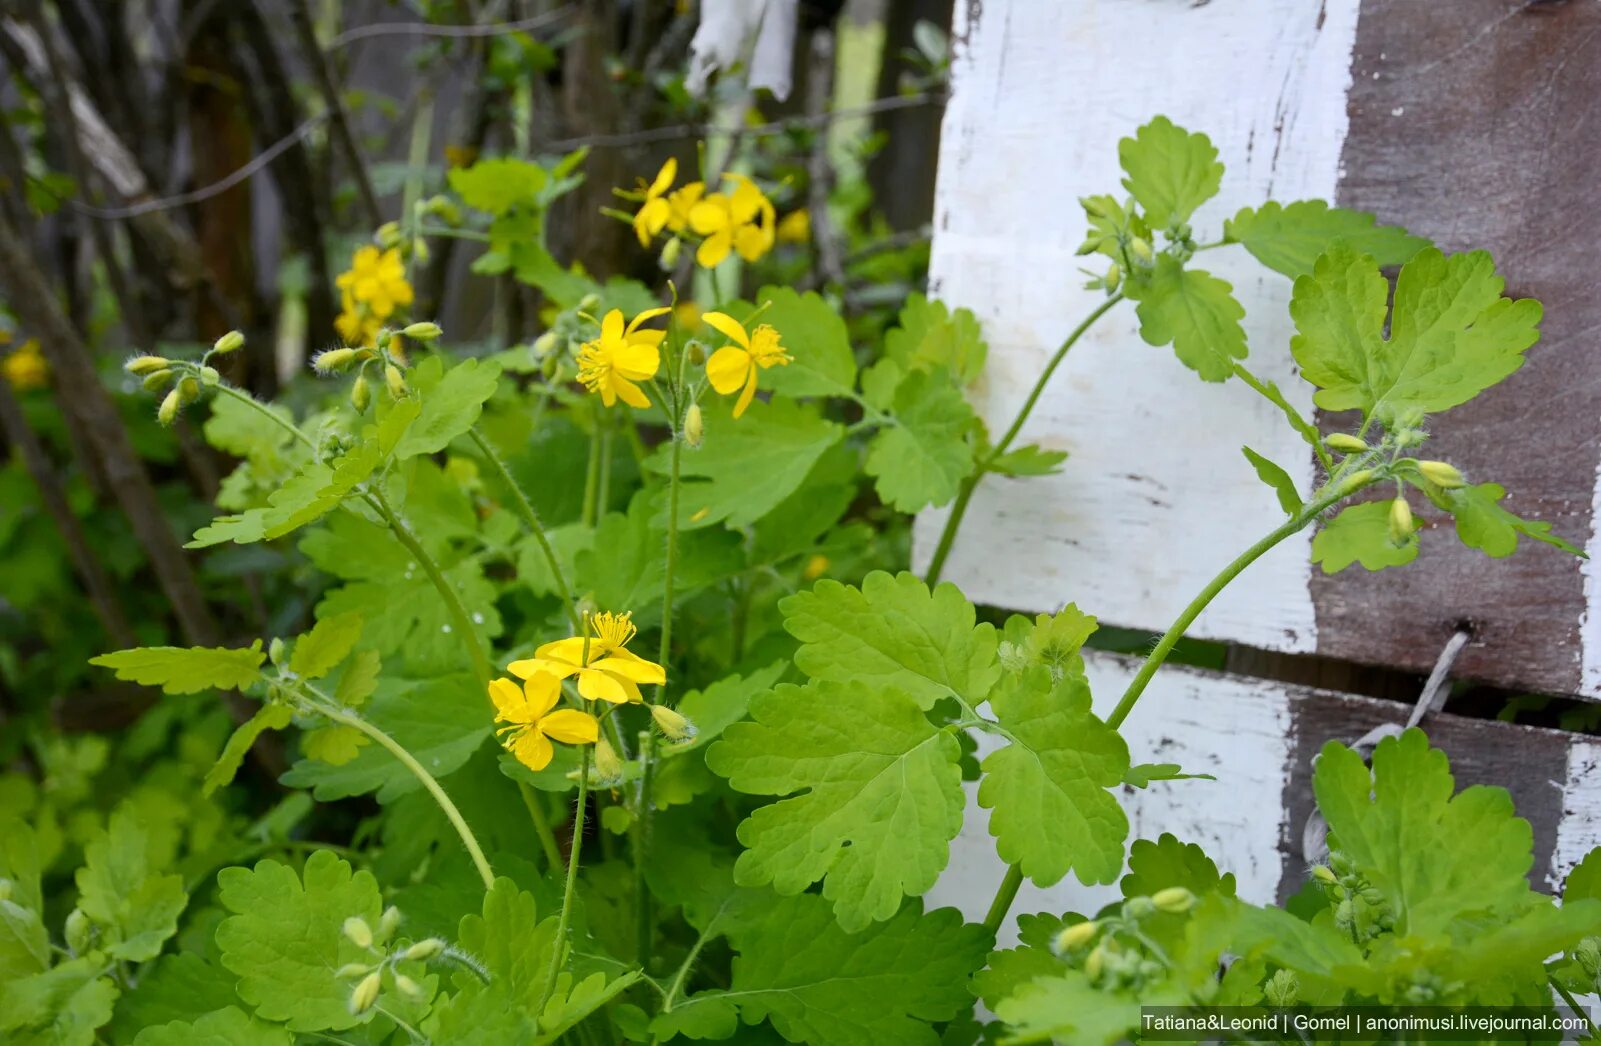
x: 1441, y: 474
x: 228, y: 343
x: 1175, y: 900
x: 1138, y: 907
x: 188, y: 391
x: 424, y: 950
x: 673, y: 725
x: 697, y: 353
x: 1355, y: 481
x: 78, y: 931
x: 1344, y: 443
x: 381, y: 339
x: 388, y: 923
x: 608, y: 768
x: 545, y: 344
x: 694, y: 426
x: 420, y: 251
x: 167, y: 413
x: 670, y: 251
x: 1095, y: 963
x: 353, y: 969
x: 275, y: 651
x: 146, y: 364
x: 155, y: 381
x: 358, y: 931
x: 1095, y: 206
x: 388, y: 235
x: 332, y: 361
x: 1323, y: 874
x: 1401, y: 525
x: 209, y: 377
x: 360, y: 394
x: 1114, y: 276
x: 425, y: 330
x: 408, y: 986
x: 1076, y: 936
x: 589, y: 302
x: 395, y: 380
x: 1140, y: 249
x: 365, y: 994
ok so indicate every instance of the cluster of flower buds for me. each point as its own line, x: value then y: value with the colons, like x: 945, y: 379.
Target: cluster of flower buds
x: 369, y: 975
x: 185, y: 377
x: 1360, y: 909
x: 1111, y: 962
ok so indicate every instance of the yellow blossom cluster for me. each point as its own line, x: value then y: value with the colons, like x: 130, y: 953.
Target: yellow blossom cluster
x: 370, y: 292
x: 741, y: 220
x: 25, y: 367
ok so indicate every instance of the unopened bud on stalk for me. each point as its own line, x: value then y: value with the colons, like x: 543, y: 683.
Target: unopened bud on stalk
x: 188, y: 391
x: 1344, y: 443
x: 157, y: 380
x: 1076, y: 936
x: 78, y: 931
x: 589, y: 302
x: 670, y: 252
x: 1094, y: 206
x: 608, y: 768
x: 1114, y: 276
x: 545, y: 344
x: 365, y: 994
x: 1174, y: 900
x: 228, y: 343
x: 673, y: 725
x: 1401, y: 525
x: 408, y: 986
x: 358, y: 931
x: 1441, y: 474
x: 360, y: 394
x: 425, y: 330
x: 353, y: 969
x: 388, y: 923
x: 209, y: 377
x: 167, y: 413
x: 1323, y: 874
x: 697, y: 353
x: 424, y: 950
x: 146, y: 364
x: 332, y: 361
x: 275, y: 651
x: 1095, y: 963
x: 388, y: 235
x: 1140, y: 249
x: 395, y: 380
x: 694, y: 426
x: 1355, y: 481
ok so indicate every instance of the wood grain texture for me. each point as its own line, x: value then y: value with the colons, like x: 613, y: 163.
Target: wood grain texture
x: 1258, y: 739
x: 1476, y: 124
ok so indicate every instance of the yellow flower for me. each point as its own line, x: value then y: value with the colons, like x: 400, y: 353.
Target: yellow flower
x: 736, y: 365
x: 613, y: 362
x: 25, y: 367
x: 740, y: 221
x: 606, y: 669
x: 357, y: 325
x: 796, y: 227
x: 376, y: 279
x: 655, y: 211
x: 531, y: 723
x: 682, y: 201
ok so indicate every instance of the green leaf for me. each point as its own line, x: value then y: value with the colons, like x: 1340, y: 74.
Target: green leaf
x: 439, y: 721
x: 922, y: 459
x: 511, y: 941
x: 1170, y: 171
x: 894, y: 633
x: 305, y: 497
x: 1029, y: 460
x: 175, y: 987
x: 820, y: 984
x: 1478, y: 851
x: 813, y: 331
x: 1050, y: 640
x: 121, y: 888
x: 498, y: 184
x: 1585, y: 879
x: 359, y: 679
x: 1451, y: 334
x: 746, y: 467
x: 1196, y: 313
x: 1288, y: 238
x: 319, y: 651
x: 24, y: 942
x: 334, y: 745
x: 286, y: 938
x: 451, y: 403
x: 1276, y: 478
x: 221, y: 774
x: 722, y: 704
x: 1167, y: 862
x: 181, y: 670
x: 622, y: 570
x: 1361, y: 534
x: 1140, y: 775
x: 575, y: 999
x: 1048, y: 787
x: 403, y: 616
x: 64, y: 1006
x: 881, y: 795
x: 930, y: 337
x: 241, y: 430
x: 1483, y: 524
x: 225, y: 1027
x: 1066, y: 1008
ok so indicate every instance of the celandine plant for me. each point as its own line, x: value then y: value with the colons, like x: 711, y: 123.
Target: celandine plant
x: 730, y: 840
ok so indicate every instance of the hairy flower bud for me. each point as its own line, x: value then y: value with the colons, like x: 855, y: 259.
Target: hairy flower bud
x: 365, y: 993
x: 545, y: 344
x: 1094, y: 206
x: 673, y: 725
x: 388, y: 235
x: 694, y: 426
x: 670, y: 252
x: 1113, y: 277
x: 424, y: 950
x: 1344, y: 443
x: 1095, y: 963
x: 360, y: 394
x: 78, y: 931
x: 1138, y: 907
x: 209, y: 377
x: 388, y: 923
x: 1140, y: 249
x: 425, y: 330
x: 1401, y: 525
x: 332, y: 361
x: 408, y: 986
x: 228, y: 343
x: 608, y: 768
x: 1174, y: 900
x: 275, y: 651
x: 157, y: 380
x: 589, y: 302
x: 1076, y: 936
x: 1355, y: 481
x: 188, y: 391
x: 358, y: 931
x: 146, y: 364
x: 395, y: 380
x: 167, y: 413
x: 1441, y: 474
x: 353, y: 969
x: 1323, y: 874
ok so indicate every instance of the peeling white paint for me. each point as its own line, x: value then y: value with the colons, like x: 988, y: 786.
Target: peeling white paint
x: 1156, y: 496
x: 1579, y: 831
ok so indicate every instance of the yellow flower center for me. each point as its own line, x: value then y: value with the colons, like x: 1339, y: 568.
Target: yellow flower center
x: 764, y: 347
x: 594, y: 365
x: 611, y: 632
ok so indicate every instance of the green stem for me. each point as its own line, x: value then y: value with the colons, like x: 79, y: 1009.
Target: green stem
x: 410, y: 763
x: 603, y: 487
x: 592, y: 476
x: 559, y: 951
x: 1573, y: 1004
x: 447, y: 232
x: 458, y: 613
x: 531, y: 517
x: 261, y: 408
x: 964, y: 496
x: 536, y: 814
x: 1004, y: 898
x: 1332, y: 494
x: 683, y: 972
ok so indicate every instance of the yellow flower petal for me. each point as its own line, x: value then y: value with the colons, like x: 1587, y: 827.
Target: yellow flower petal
x: 628, y: 392
x: 729, y: 327
x: 713, y: 249
x: 543, y: 690
x: 664, y: 177
x: 727, y: 368
x: 532, y: 749
x: 632, y: 668
x: 601, y: 686
x: 646, y: 317
x: 636, y: 361
x: 611, y: 328
x: 510, y: 705
x: 748, y: 395
x: 571, y: 726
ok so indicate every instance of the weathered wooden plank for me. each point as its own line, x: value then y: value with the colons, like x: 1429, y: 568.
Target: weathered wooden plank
x: 1156, y: 497
x: 1259, y: 738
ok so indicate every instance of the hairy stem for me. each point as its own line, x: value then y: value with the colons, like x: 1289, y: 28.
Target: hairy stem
x: 536, y: 814
x: 964, y: 496
x: 559, y: 951
x: 261, y: 408
x: 531, y: 517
